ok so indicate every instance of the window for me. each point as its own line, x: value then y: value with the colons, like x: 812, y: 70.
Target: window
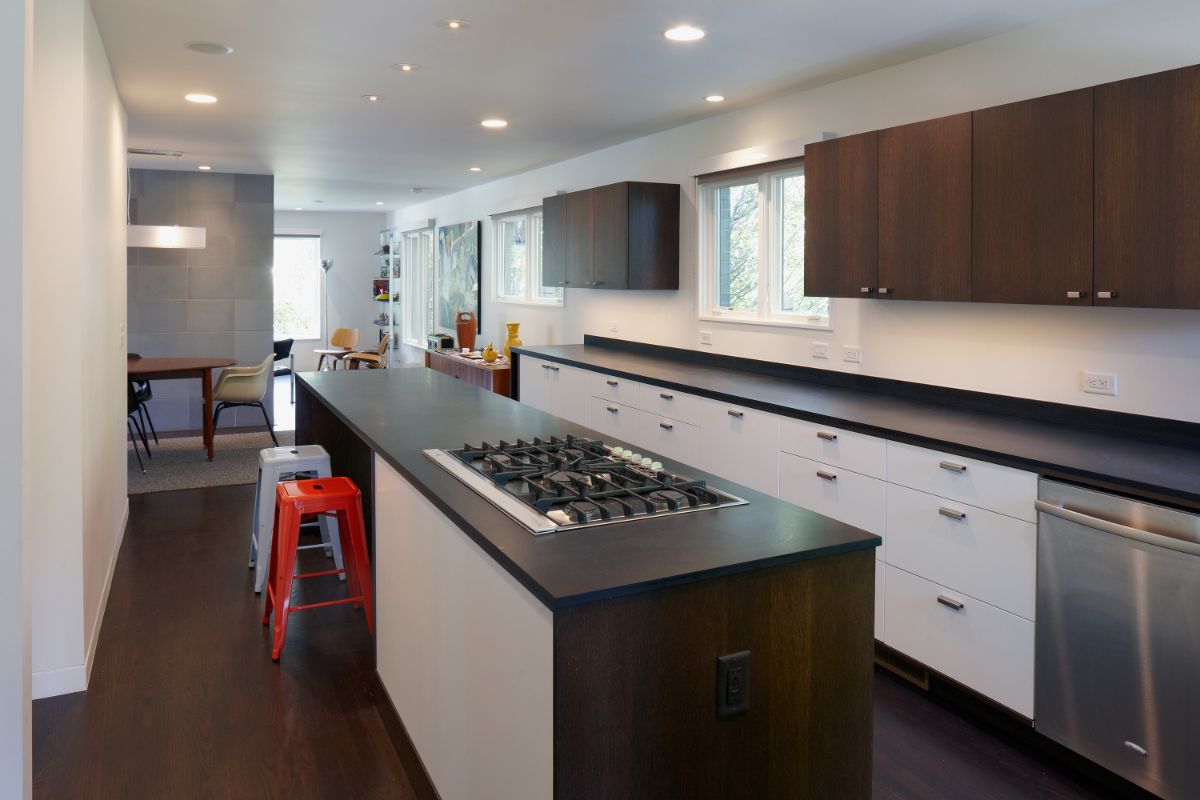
x: 752, y: 250
x: 296, y: 277
x: 518, y: 260
x: 418, y: 286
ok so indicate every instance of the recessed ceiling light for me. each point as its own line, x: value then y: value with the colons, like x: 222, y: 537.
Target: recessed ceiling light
x: 715, y: 98
x: 200, y: 98
x: 684, y: 33
x: 404, y: 66
x: 371, y: 98
x: 494, y: 122
x: 204, y: 167
x: 297, y: 209
x: 378, y: 202
x: 476, y: 169
x: 210, y: 48
x: 453, y: 24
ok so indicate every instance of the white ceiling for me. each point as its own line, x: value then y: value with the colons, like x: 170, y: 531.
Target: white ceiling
x: 569, y: 75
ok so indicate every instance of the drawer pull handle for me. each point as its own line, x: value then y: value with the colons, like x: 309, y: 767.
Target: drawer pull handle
x: 883, y: 290
x: 666, y: 427
x: 554, y: 369
x: 666, y: 396
x: 1137, y: 748
x: 829, y: 437
x: 950, y: 602
x: 826, y: 476
x: 950, y: 466
x: 613, y: 410
x: 735, y: 414
x: 952, y: 513
x: 545, y: 366
x: 865, y: 290
x: 611, y: 383
x: 1074, y: 295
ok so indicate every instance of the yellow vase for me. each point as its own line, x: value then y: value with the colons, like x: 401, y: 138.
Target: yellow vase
x: 513, y: 340
x: 489, y: 354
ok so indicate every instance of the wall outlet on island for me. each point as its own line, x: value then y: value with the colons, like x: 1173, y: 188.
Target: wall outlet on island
x: 820, y: 349
x: 706, y: 337
x: 1100, y: 383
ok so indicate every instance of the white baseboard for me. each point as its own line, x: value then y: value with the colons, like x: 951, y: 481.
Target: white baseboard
x: 52, y: 682
x: 94, y: 635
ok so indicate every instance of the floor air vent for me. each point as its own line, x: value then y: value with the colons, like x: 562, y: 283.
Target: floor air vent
x: 900, y: 665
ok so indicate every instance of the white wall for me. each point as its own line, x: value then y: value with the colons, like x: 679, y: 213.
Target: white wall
x: 15, y: 747
x: 74, y: 451
x: 1019, y: 350
x: 349, y: 239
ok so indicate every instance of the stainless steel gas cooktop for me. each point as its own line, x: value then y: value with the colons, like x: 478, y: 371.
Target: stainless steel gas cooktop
x: 566, y: 483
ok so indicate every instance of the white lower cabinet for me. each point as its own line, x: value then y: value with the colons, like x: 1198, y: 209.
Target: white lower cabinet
x: 618, y: 421
x: 978, y: 645
x: 991, y: 555
x: 846, y: 496
x: 669, y: 438
x: 741, y: 444
x: 557, y: 389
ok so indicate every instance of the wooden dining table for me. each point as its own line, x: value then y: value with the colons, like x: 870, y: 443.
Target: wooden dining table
x: 163, y: 369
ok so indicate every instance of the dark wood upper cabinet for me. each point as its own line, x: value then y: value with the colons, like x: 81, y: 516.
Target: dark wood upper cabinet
x: 554, y: 240
x: 925, y: 210
x: 1032, y: 215
x: 620, y: 236
x: 1148, y: 191
x: 841, y: 211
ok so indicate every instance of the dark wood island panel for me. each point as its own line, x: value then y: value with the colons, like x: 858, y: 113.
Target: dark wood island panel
x: 635, y: 688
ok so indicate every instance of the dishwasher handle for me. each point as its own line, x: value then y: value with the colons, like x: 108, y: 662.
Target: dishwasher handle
x: 1117, y: 529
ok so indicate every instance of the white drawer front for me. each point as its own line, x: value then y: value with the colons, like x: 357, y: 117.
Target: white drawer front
x: 996, y: 488
x: 978, y: 645
x: 854, y: 451
x: 670, y: 403
x: 619, y: 389
x: 669, y: 438
x: 846, y: 496
x: 880, y: 599
x: 988, y: 555
x: 740, y: 444
x: 616, y: 420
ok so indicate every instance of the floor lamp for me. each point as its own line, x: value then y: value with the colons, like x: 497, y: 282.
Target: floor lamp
x: 326, y: 265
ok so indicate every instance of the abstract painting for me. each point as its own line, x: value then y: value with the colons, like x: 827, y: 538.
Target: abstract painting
x: 458, y: 273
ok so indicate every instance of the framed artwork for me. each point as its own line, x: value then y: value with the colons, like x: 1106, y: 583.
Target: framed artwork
x: 458, y: 285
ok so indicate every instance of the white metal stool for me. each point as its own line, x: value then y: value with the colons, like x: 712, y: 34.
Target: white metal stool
x: 276, y: 464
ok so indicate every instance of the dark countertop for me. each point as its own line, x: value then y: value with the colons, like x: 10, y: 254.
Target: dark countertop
x: 1157, y: 471
x: 401, y: 412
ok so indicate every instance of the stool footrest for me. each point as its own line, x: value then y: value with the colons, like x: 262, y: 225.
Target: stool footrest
x: 358, y: 598
x: 318, y: 574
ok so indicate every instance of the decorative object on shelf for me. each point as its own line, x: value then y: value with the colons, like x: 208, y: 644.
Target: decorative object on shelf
x: 381, y: 290
x: 489, y: 354
x: 513, y: 339
x: 458, y: 273
x: 465, y: 325
x: 440, y: 341
x: 383, y: 319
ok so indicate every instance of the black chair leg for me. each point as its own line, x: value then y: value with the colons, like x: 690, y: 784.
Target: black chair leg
x: 133, y: 441
x: 217, y: 415
x: 137, y: 424
x: 270, y: 427
x: 148, y: 421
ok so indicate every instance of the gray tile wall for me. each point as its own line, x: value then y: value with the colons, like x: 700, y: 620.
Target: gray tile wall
x: 211, y: 302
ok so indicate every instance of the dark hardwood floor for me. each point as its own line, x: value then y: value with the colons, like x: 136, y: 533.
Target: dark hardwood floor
x: 185, y: 702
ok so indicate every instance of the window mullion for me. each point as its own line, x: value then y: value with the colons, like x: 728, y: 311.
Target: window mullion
x: 764, y: 246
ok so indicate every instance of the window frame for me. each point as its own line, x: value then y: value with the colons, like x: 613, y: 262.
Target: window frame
x: 320, y: 287
x: 768, y: 309
x: 531, y: 294
x: 414, y: 306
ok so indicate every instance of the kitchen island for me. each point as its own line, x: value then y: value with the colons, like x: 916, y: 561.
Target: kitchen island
x: 584, y: 663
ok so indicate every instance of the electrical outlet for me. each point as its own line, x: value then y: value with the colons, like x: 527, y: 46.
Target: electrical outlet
x: 1100, y: 383
x: 614, y: 327
x: 820, y: 350
x: 733, y: 684
x: 852, y: 353
x: 706, y: 337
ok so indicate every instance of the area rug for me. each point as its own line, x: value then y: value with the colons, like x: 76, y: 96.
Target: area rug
x: 182, y: 463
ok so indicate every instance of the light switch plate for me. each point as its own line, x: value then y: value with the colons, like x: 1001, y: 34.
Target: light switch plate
x: 852, y: 354
x: 706, y: 337
x: 820, y: 350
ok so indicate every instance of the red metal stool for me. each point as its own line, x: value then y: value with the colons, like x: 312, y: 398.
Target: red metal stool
x: 337, y: 497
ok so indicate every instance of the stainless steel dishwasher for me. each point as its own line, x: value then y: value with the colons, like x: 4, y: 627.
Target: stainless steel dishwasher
x: 1118, y: 635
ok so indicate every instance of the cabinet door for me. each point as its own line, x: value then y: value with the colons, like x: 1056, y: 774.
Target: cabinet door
x: 621, y: 422
x: 610, y: 237
x: 572, y: 393
x: 841, y: 212
x: 579, y: 239
x: 653, y: 235
x: 740, y: 444
x: 554, y: 240
x: 1148, y: 191
x: 1032, y: 211
x: 925, y: 210
x: 535, y: 383
x: 840, y: 494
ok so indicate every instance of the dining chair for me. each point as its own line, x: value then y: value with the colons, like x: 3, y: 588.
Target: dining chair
x: 132, y: 422
x: 244, y: 386
x: 343, y: 341
x: 283, y: 350
x: 370, y: 359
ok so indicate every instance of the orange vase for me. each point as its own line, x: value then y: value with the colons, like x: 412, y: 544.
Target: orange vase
x: 465, y: 325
